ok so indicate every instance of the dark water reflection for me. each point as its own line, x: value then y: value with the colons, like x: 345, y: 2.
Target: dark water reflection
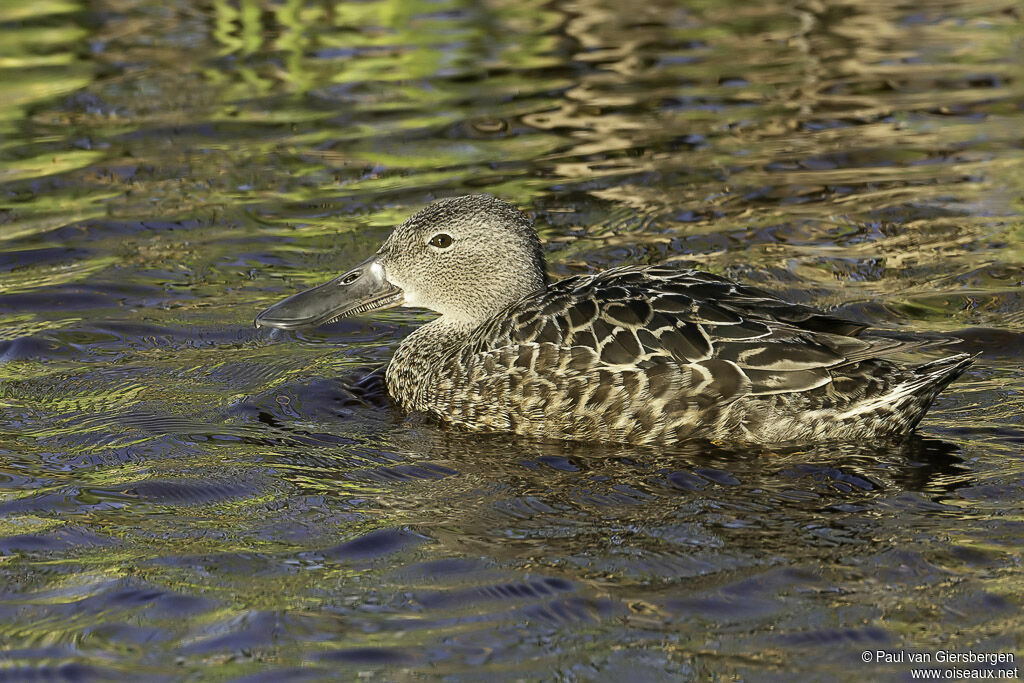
x: 185, y: 497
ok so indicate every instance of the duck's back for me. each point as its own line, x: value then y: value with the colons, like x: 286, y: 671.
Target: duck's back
x: 658, y: 355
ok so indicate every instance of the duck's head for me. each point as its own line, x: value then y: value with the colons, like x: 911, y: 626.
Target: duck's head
x: 465, y: 257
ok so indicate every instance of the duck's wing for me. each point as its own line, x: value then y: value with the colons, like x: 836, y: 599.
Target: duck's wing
x: 731, y: 340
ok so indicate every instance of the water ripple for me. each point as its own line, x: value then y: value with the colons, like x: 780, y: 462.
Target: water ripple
x: 182, y: 494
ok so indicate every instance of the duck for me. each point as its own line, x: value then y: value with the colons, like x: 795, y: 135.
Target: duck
x: 636, y: 354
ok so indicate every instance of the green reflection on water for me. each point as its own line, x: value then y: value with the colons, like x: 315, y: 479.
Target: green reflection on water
x: 167, y: 169
x: 37, y: 63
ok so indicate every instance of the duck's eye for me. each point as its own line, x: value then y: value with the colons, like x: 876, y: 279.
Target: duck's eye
x: 441, y: 241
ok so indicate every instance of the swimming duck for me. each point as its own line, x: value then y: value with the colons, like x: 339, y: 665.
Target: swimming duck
x: 635, y: 354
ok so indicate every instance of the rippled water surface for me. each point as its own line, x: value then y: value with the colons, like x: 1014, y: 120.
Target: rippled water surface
x: 185, y: 497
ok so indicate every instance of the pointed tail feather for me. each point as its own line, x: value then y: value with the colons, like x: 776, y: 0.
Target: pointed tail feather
x: 930, y: 379
x: 939, y: 373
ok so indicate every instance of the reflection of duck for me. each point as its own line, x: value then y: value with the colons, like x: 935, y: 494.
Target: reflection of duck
x: 633, y: 354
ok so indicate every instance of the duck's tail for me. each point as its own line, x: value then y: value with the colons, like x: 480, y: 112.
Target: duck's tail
x: 926, y: 383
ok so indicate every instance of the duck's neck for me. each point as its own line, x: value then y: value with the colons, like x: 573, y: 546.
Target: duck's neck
x: 415, y: 369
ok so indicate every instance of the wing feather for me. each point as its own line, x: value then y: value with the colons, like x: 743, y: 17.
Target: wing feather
x: 729, y: 340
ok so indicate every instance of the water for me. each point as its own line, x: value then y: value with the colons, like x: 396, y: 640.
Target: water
x: 187, y: 498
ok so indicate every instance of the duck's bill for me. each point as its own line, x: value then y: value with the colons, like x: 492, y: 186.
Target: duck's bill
x: 362, y: 289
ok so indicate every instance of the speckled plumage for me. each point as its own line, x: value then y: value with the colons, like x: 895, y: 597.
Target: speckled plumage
x: 658, y: 355
x: 647, y: 355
